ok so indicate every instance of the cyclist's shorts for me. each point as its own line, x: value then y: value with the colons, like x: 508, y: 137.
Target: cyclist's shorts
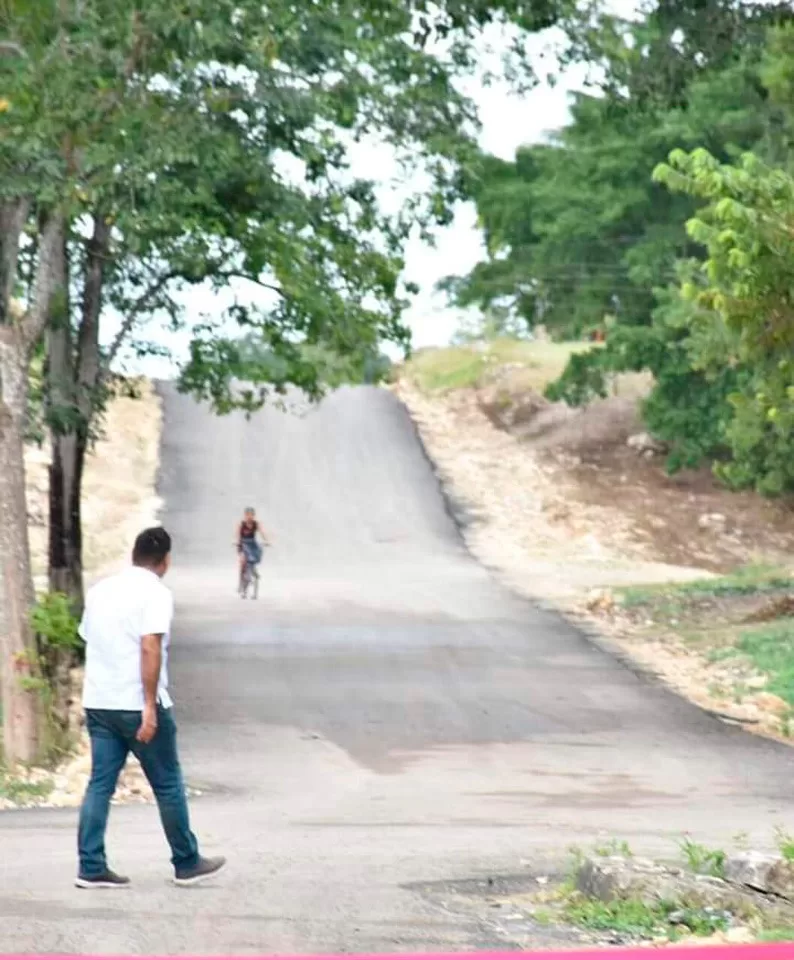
x: 252, y: 552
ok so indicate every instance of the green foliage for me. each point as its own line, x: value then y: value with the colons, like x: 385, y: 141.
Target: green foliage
x: 54, y: 623
x: 642, y: 921
x: 614, y: 848
x: 703, y: 860
x: 332, y: 369
x: 258, y: 111
x: 631, y: 917
x: 57, y: 641
x: 785, y: 844
x: 687, y: 408
x: 745, y: 318
x: 493, y: 323
x: 745, y: 582
x: 777, y: 935
x: 535, y: 362
x: 771, y: 650
x: 581, y: 237
x: 577, y: 235
x: 20, y: 790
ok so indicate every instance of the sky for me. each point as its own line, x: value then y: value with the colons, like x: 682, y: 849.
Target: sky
x: 508, y: 122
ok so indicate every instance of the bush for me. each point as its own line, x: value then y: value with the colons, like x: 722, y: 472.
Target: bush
x: 687, y: 408
x: 743, y: 313
x: 720, y: 344
x: 57, y: 644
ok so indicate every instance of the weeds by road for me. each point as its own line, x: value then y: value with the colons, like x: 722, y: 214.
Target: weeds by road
x: 728, y: 642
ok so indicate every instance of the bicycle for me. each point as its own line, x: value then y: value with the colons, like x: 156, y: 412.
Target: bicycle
x: 249, y: 579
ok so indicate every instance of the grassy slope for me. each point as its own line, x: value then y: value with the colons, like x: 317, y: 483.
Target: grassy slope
x: 523, y: 364
x: 450, y: 368
x: 747, y: 618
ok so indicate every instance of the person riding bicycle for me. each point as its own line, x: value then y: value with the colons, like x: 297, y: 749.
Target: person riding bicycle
x: 250, y: 539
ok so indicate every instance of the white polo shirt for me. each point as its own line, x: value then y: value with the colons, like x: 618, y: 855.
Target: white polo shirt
x: 118, y: 612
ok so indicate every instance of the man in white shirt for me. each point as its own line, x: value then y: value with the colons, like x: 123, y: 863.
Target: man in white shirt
x: 125, y: 626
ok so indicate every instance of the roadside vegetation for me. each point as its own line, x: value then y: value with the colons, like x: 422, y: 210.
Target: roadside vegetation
x: 640, y: 921
x: 537, y: 363
x: 612, y: 897
x: 723, y: 637
x: 742, y: 625
x: 656, y: 230
x: 20, y: 790
x: 660, y: 220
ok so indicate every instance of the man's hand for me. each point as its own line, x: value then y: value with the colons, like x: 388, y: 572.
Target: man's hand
x: 148, y: 728
x: 151, y: 661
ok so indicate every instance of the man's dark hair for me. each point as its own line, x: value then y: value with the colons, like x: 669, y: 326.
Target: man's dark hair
x: 152, y: 546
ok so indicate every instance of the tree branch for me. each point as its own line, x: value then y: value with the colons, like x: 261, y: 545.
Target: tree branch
x: 133, y: 315
x: 88, y: 359
x: 237, y: 275
x: 144, y: 303
x: 45, y: 283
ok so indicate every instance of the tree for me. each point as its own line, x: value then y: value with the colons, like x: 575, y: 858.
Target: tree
x: 575, y: 229
x: 153, y: 145
x: 20, y: 328
x: 745, y: 320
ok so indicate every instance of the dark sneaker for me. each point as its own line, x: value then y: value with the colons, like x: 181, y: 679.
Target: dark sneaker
x: 102, y: 881
x: 206, y: 867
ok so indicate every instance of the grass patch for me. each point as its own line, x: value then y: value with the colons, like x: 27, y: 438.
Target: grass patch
x: 436, y: 371
x: 745, y: 582
x: 613, y: 848
x: 21, y: 791
x: 743, y: 620
x: 785, y: 844
x: 702, y: 860
x: 640, y: 921
x: 770, y: 648
x: 777, y: 935
x: 454, y: 368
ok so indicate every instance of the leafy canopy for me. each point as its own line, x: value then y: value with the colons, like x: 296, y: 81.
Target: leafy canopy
x: 217, y: 137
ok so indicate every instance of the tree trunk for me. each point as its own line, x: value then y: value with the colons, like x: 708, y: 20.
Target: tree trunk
x: 65, y: 557
x: 73, y: 382
x: 20, y: 699
x: 66, y: 539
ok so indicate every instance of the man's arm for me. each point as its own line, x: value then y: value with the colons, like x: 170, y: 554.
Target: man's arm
x: 155, y: 624
x: 151, y: 663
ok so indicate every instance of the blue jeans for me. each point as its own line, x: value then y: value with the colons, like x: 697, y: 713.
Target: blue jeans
x: 112, y: 735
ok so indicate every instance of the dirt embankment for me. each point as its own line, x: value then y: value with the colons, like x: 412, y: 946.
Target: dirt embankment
x: 571, y: 506
x: 118, y: 488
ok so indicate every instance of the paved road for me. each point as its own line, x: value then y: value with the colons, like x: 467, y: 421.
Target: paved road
x: 386, y: 715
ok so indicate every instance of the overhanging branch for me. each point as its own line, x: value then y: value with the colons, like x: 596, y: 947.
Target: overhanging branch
x: 141, y: 305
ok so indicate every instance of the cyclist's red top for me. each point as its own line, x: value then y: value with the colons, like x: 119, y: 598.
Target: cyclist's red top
x: 248, y: 530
